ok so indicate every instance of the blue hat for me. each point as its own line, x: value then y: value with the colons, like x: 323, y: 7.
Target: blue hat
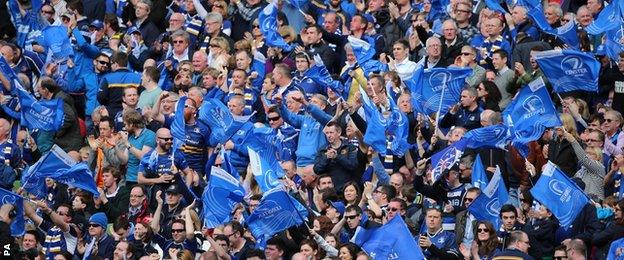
x: 97, y: 24
x: 100, y: 219
x: 369, y: 17
x: 132, y: 30
x: 339, y: 206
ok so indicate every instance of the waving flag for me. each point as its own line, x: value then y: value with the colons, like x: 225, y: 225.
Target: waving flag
x: 34, y: 114
x: 568, y: 34
x: 223, y: 125
x: 612, y: 42
x: 495, y: 136
x: 437, y: 89
x: 479, y: 178
x: 494, y: 5
x: 445, y: 159
x: 266, y: 170
x: 376, y: 124
x: 48, y: 164
x: 487, y: 206
x: 569, y: 70
x: 559, y: 194
x: 390, y: 241
x: 397, y: 128
x: 277, y: 211
x: 55, y: 39
x: 529, y: 114
x: 608, y: 19
x: 319, y: 74
x: 364, y: 50
x: 18, y: 223
x: 78, y: 175
x: 178, y: 126
x: 268, y: 27
x: 220, y: 197
x: 616, y: 250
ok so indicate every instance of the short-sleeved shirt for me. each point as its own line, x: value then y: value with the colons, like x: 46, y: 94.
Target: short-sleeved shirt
x: 145, y: 138
x: 149, y: 97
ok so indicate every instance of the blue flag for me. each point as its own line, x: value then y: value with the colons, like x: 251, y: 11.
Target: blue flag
x: 494, y: 136
x: 569, y: 70
x: 364, y: 50
x: 226, y: 164
x: 34, y: 114
x: 319, y: 74
x: 78, y: 175
x: 479, y: 178
x: 616, y: 250
x: 612, y: 44
x: 559, y: 194
x: 220, y: 197
x: 299, y: 4
x: 48, y: 164
x: 268, y: 26
x: 445, y: 159
x: 223, y: 125
x: 17, y: 225
x: 178, y: 126
x: 376, y: 124
x: 487, y: 206
x: 529, y: 114
x: 608, y: 19
x: 436, y: 89
x: 266, y: 169
x: 494, y: 5
x: 390, y: 241
x: 54, y: 39
x: 568, y: 34
x: 397, y: 128
x: 277, y: 211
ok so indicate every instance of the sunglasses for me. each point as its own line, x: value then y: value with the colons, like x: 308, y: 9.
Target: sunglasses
x: 483, y: 230
x: 93, y: 225
x: 274, y: 118
x: 608, y: 120
x: 592, y: 140
x: 102, y: 62
x: 189, y: 106
x: 176, y: 42
x: 466, y: 53
x: 468, y: 199
x: 165, y: 138
x: 47, y: 12
x: 393, y: 209
x: 255, y: 26
x: 351, y: 217
x: 177, y: 230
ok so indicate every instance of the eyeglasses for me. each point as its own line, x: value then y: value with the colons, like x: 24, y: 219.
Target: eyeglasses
x: 466, y: 53
x: 176, y: 42
x: 468, y: 199
x: 102, y: 62
x: 177, y: 230
x: 93, y: 225
x: 483, y: 230
x: 350, y: 217
x: 565, y: 21
x: 393, y: 209
x: 560, y: 257
x: 255, y: 26
x: 47, y: 12
x: 609, y: 120
x: 593, y: 140
x: 414, y: 20
x: 214, y: 46
x: 462, y: 11
x: 166, y: 138
x: 274, y: 118
x: 62, y: 213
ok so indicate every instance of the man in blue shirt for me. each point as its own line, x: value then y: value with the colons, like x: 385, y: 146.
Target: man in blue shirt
x: 436, y: 242
x: 138, y: 140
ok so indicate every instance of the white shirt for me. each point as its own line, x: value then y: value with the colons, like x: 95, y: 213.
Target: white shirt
x: 405, y: 69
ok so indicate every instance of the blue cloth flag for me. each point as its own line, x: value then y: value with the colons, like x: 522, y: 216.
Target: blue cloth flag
x: 559, y: 194
x: 494, y: 5
x: 608, y: 19
x: 376, y: 124
x: 617, y: 245
x: 48, y: 164
x: 220, y: 197
x: 277, y: 211
x: 445, y: 159
x: 529, y: 114
x: 266, y: 169
x: 436, y: 89
x: 487, y: 206
x: 479, y: 178
x: 34, y: 114
x: 397, y: 128
x: 494, y: 136
x: 390, y: 241
x: 223, y: 125
x: 178, y: 126
x: 268, y: 26
x: 364, y: 50
x: 569, y: 70
x: 17, y: 224
x: 55, y: 40
x: 78, y: 175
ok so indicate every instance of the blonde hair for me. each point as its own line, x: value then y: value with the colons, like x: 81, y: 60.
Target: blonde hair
x: 569, y: 124
x: 222, y: 43
x: 595, y: 151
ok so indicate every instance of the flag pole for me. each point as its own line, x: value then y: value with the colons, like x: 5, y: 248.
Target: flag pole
x: 439, y: 109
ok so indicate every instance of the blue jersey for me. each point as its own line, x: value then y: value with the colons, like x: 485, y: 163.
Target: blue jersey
x: 153, y: 164
x: 195, y: 147
x: 10, y: 154
x: 443, y: 240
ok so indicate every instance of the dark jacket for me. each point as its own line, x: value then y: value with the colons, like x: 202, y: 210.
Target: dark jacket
x: 460, y: 226
x: 541, y: 234
x: 602, y: 240
x: 464, y: 118
x: 560, y: 152
x: 583, y: 227
x: 449, y: 53
x: 327, y: 55
x: 117, y: 205
x: 342, y: 168
x: 112, y: 86
x: 68, y: 136
x: 511, y: 254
